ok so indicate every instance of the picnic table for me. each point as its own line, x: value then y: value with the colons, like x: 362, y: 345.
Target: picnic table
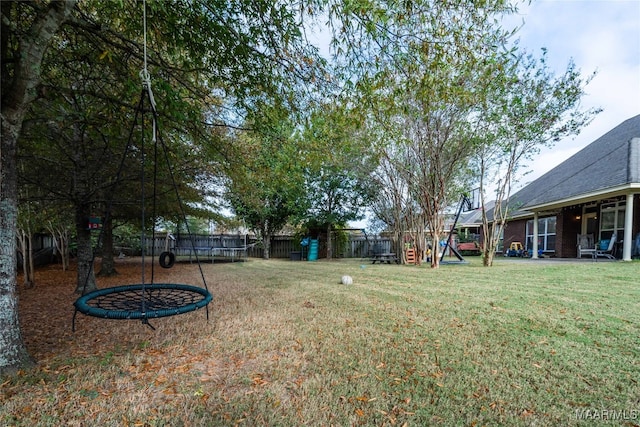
x: 384, y: 257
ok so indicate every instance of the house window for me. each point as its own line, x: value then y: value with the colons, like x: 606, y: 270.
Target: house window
x: 612, y: 219
x: 546, y: 234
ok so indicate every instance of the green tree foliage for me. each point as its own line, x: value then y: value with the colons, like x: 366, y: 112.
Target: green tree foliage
x: 338, y: 165
x: 265, y: 184
x: 422, y: 73
x: 211, y: 62
x: 529, y: 108
x: 87, y: 77
x: 69, y: 155
x: 438, y: 84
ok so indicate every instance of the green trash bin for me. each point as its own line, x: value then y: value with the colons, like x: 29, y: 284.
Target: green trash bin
x: 313, y: 250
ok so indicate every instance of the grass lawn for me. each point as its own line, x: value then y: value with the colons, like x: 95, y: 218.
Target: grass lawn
x: 520, y: 344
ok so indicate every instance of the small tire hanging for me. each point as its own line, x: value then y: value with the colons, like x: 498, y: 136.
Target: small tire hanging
x: 167, y: 259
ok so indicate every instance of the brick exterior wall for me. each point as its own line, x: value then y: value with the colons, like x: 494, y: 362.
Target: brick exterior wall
x: 515, y: 231
x: 567, y: 229
x: 568, y: 226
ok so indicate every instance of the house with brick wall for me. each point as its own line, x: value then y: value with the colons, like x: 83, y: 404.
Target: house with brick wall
x: 596, y: 191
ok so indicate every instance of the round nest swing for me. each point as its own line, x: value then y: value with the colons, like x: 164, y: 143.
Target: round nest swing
x: 143, y: 301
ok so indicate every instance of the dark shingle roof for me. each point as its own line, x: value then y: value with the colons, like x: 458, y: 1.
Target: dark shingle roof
x: 611, y: 161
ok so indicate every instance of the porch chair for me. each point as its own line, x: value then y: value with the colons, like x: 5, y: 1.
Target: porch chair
x: 608, y: 252
x: 586, y: 245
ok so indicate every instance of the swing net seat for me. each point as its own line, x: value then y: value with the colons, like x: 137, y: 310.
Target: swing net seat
x: 143, y: 301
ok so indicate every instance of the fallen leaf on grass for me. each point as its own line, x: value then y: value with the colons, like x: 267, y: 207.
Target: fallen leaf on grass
x: 526, y: 413
x: 161, y: 379
x: 259, y: 381
x: 358, y: 375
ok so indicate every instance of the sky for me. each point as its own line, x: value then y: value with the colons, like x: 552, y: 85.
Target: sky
x: 601, y: 36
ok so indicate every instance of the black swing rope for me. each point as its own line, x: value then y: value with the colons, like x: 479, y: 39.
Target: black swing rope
x: 145, y: 300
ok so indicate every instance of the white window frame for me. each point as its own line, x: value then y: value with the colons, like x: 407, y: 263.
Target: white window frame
x: 616, y: 209
x: 543, y: 234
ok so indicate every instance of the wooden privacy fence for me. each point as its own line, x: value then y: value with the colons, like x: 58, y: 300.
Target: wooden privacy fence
x: 355, y: 247
x: 281, y: 246
x: 361, y: 247
x: 232, y: 245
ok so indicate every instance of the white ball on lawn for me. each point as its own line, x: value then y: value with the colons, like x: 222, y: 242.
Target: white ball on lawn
x: 346, y: 280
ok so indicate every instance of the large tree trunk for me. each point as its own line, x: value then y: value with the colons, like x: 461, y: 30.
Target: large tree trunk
x: 108, y: 266
x: 18, y: 90
x: 13, y: 353
x: 86, y: 275
x: 435, y: 250
x: 266, y: 242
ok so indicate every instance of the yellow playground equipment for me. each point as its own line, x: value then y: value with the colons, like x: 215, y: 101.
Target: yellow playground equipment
x: 515, y: 249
